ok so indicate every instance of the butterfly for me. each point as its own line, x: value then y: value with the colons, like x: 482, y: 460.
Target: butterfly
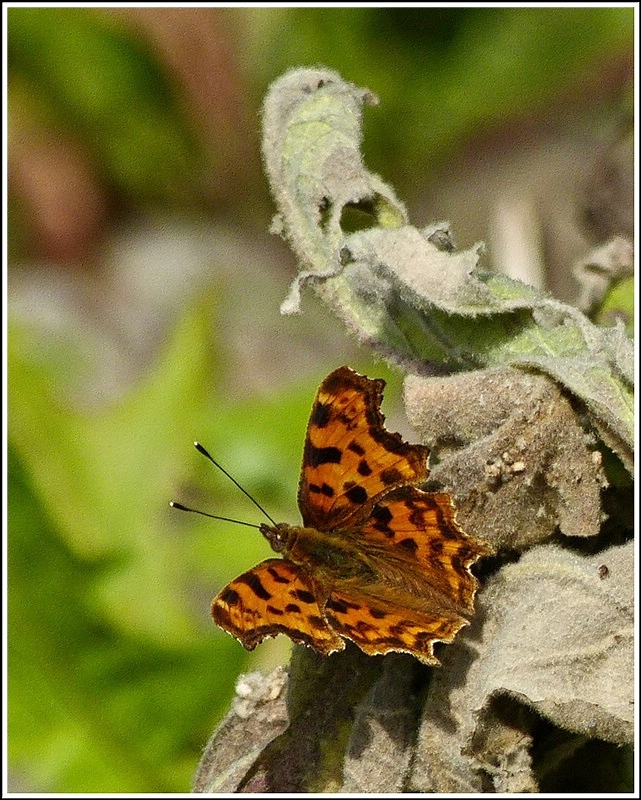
x: 377, y: 560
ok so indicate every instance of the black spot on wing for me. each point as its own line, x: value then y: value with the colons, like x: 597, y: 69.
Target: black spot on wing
x: 356, y: 494
x: 303, y: 595
x: 253, y: 581
x: 401, y: 628
x: 416, y: 517
x: 382, y: 517
x: 321, y: 415
x: 436, y: 546
x: 390, y: 476
x: 315, y: 456
x: 394, y: 643
x: 277, y: 577
x: 230, y: 597
x: 408, y: 544
x: 364, y: 468
x: 341, y: 606
x: 355, y: 447
x: 324, y: 488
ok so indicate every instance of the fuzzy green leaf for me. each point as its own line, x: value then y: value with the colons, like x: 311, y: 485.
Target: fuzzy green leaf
x: 408, y: 293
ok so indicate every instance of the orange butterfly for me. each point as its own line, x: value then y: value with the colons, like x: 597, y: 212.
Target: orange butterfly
x: 377, y: 560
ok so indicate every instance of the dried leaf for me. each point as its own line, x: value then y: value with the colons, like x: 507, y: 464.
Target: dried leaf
x: 381, y: 741
x: 512, y: 454
x: 554, y: 632
x: 257, y: 716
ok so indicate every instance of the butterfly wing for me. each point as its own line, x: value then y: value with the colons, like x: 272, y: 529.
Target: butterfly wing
x: 274, y: 597
x: 422, y: 587
x: 378, y: 623
x: 412, y: 541
x: 349, y: 457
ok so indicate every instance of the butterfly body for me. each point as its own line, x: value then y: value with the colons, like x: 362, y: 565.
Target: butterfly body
x: 330, y: 556
x: 377, y: 560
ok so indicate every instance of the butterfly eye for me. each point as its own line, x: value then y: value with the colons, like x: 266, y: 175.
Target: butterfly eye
x: 278, y: 536
x: 280, y: 539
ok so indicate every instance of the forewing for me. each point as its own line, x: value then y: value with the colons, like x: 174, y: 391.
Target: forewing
x: 274, y: 597
x: 349, y: 457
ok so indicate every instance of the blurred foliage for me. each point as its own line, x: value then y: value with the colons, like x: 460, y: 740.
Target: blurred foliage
x: 94, y: 705
x: 114, y: 661
x: 115, y: 664
x: 618, y: 303
x: 445, y: 74
x: 117, y: 676
x: 82, y: 72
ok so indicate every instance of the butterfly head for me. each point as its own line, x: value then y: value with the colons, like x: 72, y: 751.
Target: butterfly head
x: 279, y: 535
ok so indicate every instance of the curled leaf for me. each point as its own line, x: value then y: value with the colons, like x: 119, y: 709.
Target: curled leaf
x: 422, y: 305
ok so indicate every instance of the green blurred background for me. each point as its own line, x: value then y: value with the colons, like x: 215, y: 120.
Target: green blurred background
x: 143, y: 314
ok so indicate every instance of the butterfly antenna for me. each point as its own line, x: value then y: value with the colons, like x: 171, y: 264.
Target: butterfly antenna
x: 181, y: 507
x: 202, y: 450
